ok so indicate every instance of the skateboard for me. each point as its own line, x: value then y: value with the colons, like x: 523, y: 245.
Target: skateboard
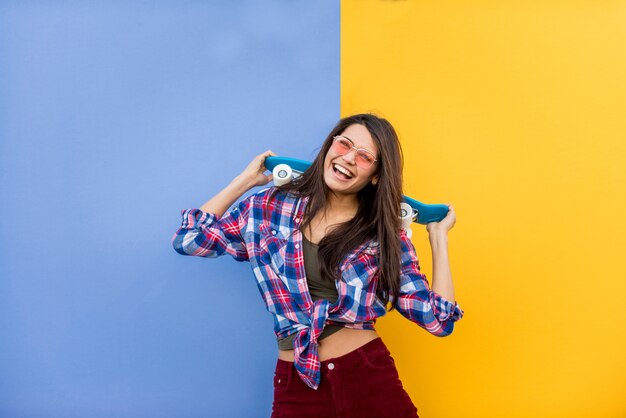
x: 286, y: 169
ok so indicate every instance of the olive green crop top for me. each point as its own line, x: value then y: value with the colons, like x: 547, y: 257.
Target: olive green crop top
x: 319, y: 288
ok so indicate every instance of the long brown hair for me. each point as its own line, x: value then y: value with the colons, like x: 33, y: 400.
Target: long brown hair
x: 377, y: 216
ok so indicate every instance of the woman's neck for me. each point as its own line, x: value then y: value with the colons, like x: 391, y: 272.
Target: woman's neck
x: 341, y: 206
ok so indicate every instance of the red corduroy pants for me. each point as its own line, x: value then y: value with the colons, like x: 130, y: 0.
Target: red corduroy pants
x: 363, y: 383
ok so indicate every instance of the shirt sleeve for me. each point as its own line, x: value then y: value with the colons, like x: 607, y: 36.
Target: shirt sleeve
x: 203, y: 234
x: 417, y: 302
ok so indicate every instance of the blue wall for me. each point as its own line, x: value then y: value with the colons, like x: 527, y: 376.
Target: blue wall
x: 113, y: 118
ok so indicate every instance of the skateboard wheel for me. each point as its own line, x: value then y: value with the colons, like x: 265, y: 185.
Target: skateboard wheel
x: 406, y: 215
x: 282, y: 174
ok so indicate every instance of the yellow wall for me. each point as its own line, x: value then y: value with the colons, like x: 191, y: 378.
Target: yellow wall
x: 514, y: 112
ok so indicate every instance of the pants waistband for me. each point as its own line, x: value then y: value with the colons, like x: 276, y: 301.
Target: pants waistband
x: 352, y: 358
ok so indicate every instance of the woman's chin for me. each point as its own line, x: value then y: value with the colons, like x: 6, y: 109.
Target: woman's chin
x: 335, y: 184
x: 339, y: 187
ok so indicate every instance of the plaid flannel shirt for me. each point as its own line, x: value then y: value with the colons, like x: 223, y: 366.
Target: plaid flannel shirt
x: 263, y: 229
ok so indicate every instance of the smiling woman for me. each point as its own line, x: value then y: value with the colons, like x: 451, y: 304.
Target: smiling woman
x: 329, y: 254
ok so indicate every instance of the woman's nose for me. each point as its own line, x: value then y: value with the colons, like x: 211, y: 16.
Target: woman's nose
x: 349, y: 156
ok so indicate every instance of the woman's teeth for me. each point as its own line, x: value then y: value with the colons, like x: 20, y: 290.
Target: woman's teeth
x: 342, y: 171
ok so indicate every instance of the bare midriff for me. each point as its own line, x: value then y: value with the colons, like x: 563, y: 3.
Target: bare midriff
x: 341, y: 342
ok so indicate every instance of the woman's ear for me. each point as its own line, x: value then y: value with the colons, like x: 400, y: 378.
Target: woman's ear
x: 375, y: 180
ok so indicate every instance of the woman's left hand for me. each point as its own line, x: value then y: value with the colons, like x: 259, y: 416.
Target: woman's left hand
x: 445, y: 224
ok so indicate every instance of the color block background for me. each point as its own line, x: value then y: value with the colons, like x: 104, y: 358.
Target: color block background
x: 514, y: 113
x: 113, y: 117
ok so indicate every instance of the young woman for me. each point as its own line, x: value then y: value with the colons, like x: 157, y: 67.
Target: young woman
x: 329, y: 256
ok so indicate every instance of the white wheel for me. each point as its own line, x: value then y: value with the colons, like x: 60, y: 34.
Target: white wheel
x: 406, y: 215
x: 282, y: 174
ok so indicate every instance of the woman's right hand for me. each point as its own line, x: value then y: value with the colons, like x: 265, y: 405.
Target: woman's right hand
x: 254, y: 175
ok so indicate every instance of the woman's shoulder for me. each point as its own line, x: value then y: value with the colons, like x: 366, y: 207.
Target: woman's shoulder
x: 274, y: 194
x: 276, y: 209
x: 272, y: 201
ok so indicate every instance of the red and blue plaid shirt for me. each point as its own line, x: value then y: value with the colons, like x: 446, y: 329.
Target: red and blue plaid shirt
x: 263, y: 229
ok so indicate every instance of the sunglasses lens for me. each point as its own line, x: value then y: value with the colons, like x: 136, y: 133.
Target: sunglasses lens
x: 364, y: 159
x: 342, y: 146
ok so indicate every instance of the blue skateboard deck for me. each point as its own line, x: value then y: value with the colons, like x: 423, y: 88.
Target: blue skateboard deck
x: 422, y: 213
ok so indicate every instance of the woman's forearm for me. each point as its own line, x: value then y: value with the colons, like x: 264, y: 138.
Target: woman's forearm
x: 220, y: 203
x: 442, y: 277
